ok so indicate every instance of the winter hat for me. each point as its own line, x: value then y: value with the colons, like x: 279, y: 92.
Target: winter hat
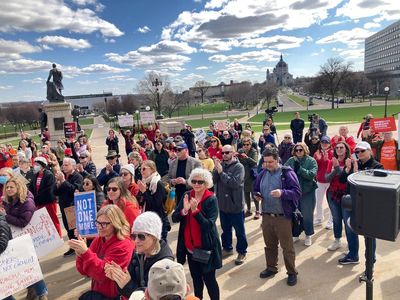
x: 130, y: 168
x: 166, y: 277
x: 41, y: 161
x: 148, y: 222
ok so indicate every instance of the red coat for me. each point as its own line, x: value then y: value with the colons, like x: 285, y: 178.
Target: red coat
x: 349, y: 141
x: 130, y: 209
x: 91, y: 263
x: 215, y: 152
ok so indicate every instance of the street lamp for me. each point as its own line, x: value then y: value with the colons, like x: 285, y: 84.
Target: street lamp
x: 227, y: 114
x: 386, y: 90
x: 157, y: 83
x: 137, y: 120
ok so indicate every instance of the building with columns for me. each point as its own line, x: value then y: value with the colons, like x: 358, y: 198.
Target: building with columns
x: 280, y: 74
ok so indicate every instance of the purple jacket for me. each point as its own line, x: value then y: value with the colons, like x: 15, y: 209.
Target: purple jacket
x: 20, y: 214
x: 291, y: 192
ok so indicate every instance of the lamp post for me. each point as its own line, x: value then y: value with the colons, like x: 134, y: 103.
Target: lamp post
x: 157, y: 83
x: 386, y: 90
x: 227, y: 114
x: 202, y: 114
x: 137, y: 120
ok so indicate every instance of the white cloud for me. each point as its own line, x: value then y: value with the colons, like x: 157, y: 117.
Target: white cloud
x: 238, y: 72
x: 6, y: 87
x: 12, y: 49
x: 37, y: 80
x: 87, y: 82
x: 265, y: 55
x: 351, y: 54
x: 167, y: 47
x: 193, y: 76
x: 109, y: 41
x: 102, y: 68
x: 335, y: 23
x: 64, y: 42
x: 51, y: 15
x: 279, y: 42
x: 215, y: 4
x: 202, y: 68
x: 214, y: 45
x: 315, y: 54
x: 370, y: 25
x: 383, y: 9
x: 98, y: 6
x: 119, y: 78
x: 143, y: 29
x: 351, y: 38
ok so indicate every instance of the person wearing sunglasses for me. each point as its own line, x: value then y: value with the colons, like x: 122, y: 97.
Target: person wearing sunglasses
x: 90, y: 183
x: 127, y: 174
x: 150, y: 248
x: 111, y: 169
x: 365, y: 161
x: 197, y: 213
x: 228, y: 177
x: 215, y: 148
x: 204, y: 157
x: 152, y: 194
x: 305, y: 168
x: 86, y: 166
x: 160, y: 156
x: 285, y: 148
x: 118, y: 194
x: 386, y: 151
x: 112, y: 245
x: 266, y: 137
x: 246, y: 134
x: 312, y: 141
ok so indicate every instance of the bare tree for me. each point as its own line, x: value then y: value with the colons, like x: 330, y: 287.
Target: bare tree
x: 238, y: 95
x: 350, y: 85
x: 128, y: 104
x: 270, y: 92
x: 332, y: 74
x: 201, y: 87
x: 365, y: 86
x: 154, y: 94
x: 113, y: 106
x: 172, y: 102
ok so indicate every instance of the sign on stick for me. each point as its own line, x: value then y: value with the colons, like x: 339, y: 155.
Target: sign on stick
x: 86, y: 213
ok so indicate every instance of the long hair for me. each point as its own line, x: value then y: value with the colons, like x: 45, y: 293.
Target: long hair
x: 151, y: 164
x: 95, y: 182
x: 348, y: 152
x: 124, y: 192
x: 302, y: 145
x: 117, y: 219
x: 219, y: 144
x: 22, y: 190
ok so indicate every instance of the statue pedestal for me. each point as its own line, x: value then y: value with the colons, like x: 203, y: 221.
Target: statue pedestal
x: 58, y: 113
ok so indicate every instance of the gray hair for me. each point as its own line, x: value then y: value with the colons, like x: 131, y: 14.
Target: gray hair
x: 203, y: 173
x: 70, y: 160
x: 135, y: 155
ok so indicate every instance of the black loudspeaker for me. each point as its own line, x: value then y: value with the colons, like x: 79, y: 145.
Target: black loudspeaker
x: 374, y: 203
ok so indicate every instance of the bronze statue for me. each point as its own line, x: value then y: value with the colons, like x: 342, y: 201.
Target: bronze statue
x: 55, y: 87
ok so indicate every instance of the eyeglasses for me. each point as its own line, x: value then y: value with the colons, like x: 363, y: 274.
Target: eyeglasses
x: 298, y: 150
x: 194, y: 181
x: 226, y: 152
x: 124, y: 174
x: 288, y: 138
x: 246, y: 144
x: 114, y: 189
x: 339, y: 147
x: 87, y: 183
x: 110, y: 158
x: 198, y: 151
x: 358, y: 151
x: 178, y: 149
x: 102, y: 224
x: 144, y: 169
x: 140, y: 236
x: 82, y: 157
x: 213, y: 141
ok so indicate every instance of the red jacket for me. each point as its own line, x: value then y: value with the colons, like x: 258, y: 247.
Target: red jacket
x: 91, y: 263
x: 349, y: 141
x: 130, y: 209
x: 322, y: 165
x: 215, y: 152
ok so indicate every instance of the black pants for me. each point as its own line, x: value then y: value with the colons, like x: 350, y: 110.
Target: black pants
x: 70, y: 232
x: 200, y: 278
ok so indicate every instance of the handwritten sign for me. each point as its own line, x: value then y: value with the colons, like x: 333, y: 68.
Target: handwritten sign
x: 19, y: 266
x: 70, y: 130
x: 85, y: 212
x: 200, y: 135
x: 125, y: 121
x: 147, y: 117
x: 383, y: 124
x: 71, y: 218
x: 44, y: 235
x: 221, y: 125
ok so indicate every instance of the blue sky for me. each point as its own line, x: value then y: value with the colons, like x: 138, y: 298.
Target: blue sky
x: 110, y: 45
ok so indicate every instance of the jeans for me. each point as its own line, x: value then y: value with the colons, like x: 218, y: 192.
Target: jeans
x: 40, y: 289
x: 320, y: 195
x: 337, y: 216
x: 307, y: 206
x: 236, y: 221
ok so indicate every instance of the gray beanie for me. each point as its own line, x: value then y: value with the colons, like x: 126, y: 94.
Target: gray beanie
x: 148, y: 222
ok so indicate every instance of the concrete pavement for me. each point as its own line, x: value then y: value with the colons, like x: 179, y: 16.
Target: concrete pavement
x: 320, y: 277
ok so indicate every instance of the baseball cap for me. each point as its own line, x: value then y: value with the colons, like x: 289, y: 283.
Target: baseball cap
x: 166, y: 277
x: 181, y: 145
x: 325, y: 139
x: 363, y: 146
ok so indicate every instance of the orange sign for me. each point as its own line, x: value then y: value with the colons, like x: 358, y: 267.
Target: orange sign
x: 383, y: 124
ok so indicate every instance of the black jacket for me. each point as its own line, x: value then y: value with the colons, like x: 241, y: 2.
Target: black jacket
x: 138, y: 262
x: 161, y: 160
x: 66, y: 190
x: 5, y: 233
x: 369, y: 164
x: 45, y: 194
x: 209, y: 239
x: 112, y: 144
x: 90, y: 169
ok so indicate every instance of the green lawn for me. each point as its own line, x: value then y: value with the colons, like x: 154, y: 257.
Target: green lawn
x: 208, y: 108
x: 86, y: 121
x: 206, y: 122
x: 298, y: 100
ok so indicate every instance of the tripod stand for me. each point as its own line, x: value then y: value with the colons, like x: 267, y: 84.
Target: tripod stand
x: 367, y: 277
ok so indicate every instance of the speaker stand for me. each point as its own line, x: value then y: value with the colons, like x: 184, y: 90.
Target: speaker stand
x: 367, y: 277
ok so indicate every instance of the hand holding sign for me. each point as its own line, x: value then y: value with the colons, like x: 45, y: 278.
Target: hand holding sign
x: 86, y: 213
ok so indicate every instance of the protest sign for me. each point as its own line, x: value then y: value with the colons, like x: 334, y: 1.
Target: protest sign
x: 70, y: 130
x: 398, y: 129
x: 125, y: 121
x: 147, y: 117
x: 200, y: 135
x: 71, y: 218
x: 19, y: 266
x: 383, y: 124
x: 221, y: 125
x: 86, y: 213
x: 43, y: 232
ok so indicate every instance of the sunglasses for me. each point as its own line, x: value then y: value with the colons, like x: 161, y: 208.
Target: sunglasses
x: 140, y: 236
x: 246, y: 144
x: 178, y: 149
x: 82, y: 157
x: 144, y: 169
x: 110, y: 158
x: 124, y: 174
x: 298, y: 150
x: 198, y: 151
x: 358, y: 151
x: 102, y: 224
x: 213, y: 141
x: 226, y: 152
x: 194, y: 181
x: 87, y: 183
x: 114, y: 189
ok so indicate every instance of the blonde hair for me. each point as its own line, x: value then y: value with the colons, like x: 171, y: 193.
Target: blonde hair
x: 302, y: 145
x: 135, y: 155
x: 117, y: 219
x: 8, y: 171
x: 22, y: 190
x: 124, y: 192
x: 151, y: 164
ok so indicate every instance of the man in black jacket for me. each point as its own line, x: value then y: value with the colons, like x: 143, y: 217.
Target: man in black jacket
x: 297, y: 127
x: 67, y: 183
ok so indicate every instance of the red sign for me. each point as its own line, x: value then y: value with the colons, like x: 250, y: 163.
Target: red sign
x: 383, y: 124
x: 70, y: 130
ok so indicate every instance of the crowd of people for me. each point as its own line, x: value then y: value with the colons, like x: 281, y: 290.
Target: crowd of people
x: 222, y: 176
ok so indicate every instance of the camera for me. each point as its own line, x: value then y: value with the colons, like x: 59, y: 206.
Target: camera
x: 270, y: 112
x: 312, y: 117
x: 367, y: 121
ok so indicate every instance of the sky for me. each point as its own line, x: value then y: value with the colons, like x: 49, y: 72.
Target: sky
x: 108, y: 46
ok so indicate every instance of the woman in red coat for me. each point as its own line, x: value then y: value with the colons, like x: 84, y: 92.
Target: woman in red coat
x: 112, y: 244
x: 215, y: 149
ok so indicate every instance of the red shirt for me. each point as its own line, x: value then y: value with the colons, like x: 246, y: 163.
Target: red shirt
x: 215, y: 152
x: 130, y: 209
x: 323, y: 165
x: 349, y: 141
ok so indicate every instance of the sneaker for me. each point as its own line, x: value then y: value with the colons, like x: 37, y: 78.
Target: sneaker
x: 240, y: 259
x: 318, y: 222
x: 292, y: 279
x: 329, y: 225
x: 295, y: 239
x: 69, y: 252
x: 335, y: 245
x: 268, y: 273
x: 308, y: 241
x: 226, y: 253
x: 348, y: 260
x: 257, y: 215
x: 248, y: 214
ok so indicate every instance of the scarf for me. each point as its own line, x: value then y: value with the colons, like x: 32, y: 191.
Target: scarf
x: 153, y: 179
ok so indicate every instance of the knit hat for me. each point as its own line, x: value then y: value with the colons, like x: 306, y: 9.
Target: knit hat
x: 41, y: 161
x: 148, y: 222
x: 166, y: 277
x: 130, y: 168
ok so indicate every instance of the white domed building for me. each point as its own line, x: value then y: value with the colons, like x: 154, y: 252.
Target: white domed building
x: 280, y: 74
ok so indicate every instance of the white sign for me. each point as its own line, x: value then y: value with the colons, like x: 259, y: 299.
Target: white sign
x: 147, y: 117
x: 19, y: 266
x: 221, y: 125
x: 44, y: 235
x: 200, y: 135
x: 125, y: 121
